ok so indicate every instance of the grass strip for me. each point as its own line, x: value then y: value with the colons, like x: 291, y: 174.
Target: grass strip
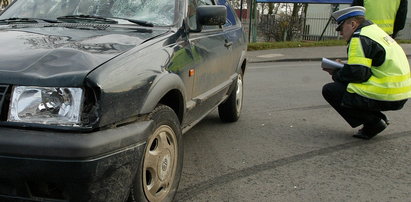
x: 298, y: 44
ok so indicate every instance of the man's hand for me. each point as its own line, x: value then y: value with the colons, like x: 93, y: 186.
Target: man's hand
x: 330, y: 71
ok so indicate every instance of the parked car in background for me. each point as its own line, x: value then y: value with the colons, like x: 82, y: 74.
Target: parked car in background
x: 96, y: 94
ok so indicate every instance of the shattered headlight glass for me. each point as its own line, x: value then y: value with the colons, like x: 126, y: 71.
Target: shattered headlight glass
x: 46, y: 105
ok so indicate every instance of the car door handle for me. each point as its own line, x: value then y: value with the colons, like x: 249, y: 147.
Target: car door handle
x: 228, y: 44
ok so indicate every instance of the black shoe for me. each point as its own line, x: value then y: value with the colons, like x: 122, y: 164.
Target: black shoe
x: 369, y: 131
x: 384, y: 118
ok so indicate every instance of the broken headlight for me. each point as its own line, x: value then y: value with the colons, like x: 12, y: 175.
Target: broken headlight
x: 46, y: 105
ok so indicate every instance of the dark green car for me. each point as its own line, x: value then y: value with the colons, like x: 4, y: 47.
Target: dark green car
x: 96, y: 94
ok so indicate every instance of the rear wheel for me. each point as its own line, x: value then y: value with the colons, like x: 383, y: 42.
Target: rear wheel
x: 159, y: 173
x: 229, y: 110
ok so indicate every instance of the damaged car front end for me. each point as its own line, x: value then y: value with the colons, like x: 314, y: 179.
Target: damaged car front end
x: 95, y: 95
x: 64, y: 136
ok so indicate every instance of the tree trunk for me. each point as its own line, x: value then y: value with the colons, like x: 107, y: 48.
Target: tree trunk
x: 294, y: 21
x: 270, y: 8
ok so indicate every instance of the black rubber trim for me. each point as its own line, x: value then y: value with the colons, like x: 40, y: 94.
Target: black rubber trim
x: 63, y: 145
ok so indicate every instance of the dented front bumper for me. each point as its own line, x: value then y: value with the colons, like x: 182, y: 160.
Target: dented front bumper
x: 66, y: 166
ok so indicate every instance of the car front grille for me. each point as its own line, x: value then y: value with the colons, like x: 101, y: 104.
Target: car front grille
x: 3, y: 91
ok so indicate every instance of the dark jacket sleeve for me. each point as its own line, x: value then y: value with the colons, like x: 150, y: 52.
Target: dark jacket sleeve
x: 352, y: 74
x: 400, y: 17
x: 359, y: 73
x: 358, y: 3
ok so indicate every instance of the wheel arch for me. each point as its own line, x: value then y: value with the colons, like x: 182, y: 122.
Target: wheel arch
x: 242, y: 62
x: 168, y: 90
x: 174, y: 99
x: 243, y: 66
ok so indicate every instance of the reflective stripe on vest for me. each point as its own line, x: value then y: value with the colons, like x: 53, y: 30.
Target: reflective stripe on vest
x: 382, y: 13
x: 389, y: 82
x: 356, y: 53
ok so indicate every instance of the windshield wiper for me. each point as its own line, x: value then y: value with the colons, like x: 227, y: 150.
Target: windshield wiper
x: 139, y: 22
x: 25, y: 20
x: 88, y: 18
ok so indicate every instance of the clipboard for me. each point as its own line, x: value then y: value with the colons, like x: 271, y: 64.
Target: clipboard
x: 330, y: 64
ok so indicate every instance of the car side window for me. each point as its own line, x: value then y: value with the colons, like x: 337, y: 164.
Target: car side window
x: 205, y: 2
x: 231, y: 18
x: 192, y: 13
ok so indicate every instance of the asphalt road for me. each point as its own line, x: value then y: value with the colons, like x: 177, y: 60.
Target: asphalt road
x: 290, y: 145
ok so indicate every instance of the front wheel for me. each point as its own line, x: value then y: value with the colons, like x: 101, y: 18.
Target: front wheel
x: 229, y: 110
x: 159, y: 173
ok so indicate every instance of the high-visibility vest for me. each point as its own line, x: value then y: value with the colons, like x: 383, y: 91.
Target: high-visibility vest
x: 382, y: 13
x: 389, y: 82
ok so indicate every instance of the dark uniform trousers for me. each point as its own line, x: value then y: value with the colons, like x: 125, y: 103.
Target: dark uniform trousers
x: 355, y: 109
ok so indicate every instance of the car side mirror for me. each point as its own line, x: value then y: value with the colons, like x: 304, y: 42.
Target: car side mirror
x: 210, y: 15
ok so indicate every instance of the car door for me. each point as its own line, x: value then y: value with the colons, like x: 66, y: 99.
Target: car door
x: 235, y: 38
x: 212, y: 59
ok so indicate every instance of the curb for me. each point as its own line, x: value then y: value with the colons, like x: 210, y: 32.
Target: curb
x: 296, y: 60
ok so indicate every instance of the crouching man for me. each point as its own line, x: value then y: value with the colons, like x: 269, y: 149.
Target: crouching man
x: 376, y: 77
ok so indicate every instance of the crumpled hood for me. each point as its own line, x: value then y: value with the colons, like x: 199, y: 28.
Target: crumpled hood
x: 61, y: 56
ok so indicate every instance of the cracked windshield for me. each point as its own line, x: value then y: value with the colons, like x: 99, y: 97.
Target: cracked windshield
x: 149, y: 12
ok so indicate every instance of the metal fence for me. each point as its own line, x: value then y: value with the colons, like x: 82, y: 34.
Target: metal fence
x: 284, y: 28
x: 320, y: 29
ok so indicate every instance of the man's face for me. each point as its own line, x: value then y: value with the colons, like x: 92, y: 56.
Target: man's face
x: 347, y: 29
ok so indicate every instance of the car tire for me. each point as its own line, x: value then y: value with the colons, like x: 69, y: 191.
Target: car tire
x: 229, y: 110
x: 159, y: 172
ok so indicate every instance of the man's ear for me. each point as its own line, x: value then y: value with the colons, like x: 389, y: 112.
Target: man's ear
x: 354, y: 24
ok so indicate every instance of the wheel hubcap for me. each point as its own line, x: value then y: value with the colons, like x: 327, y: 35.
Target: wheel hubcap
x: 239, y: 93
x: 164, y: 167
x: 159, y: 163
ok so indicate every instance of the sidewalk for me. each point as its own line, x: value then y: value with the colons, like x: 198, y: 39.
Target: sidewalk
x: 305, y: 54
